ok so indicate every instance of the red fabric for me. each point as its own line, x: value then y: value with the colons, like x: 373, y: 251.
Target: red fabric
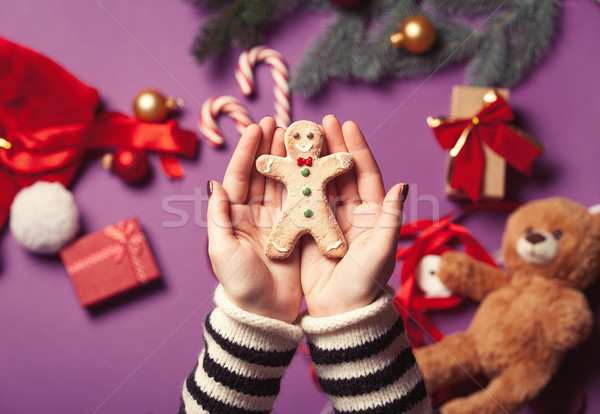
x: 491, y: 128
x: 430, y: 238
x: 36, y: 93
x: 48, y: 117
x: 109, y: 262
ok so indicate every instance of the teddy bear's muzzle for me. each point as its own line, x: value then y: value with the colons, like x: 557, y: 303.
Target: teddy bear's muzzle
x: 537, y: 247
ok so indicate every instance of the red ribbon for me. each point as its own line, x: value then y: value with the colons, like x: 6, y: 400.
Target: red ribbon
x: 304, y: 161
x: 54, y: 153
x: 130, y: 240
x: 465, y: 138
x: 48, y: 120
x: 430, y: 238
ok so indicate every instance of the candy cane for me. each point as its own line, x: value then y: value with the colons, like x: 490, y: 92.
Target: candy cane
x: 212, y: 107
x: 279, y: 71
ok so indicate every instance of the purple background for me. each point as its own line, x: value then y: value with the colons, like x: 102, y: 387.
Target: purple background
x: 134, y: 355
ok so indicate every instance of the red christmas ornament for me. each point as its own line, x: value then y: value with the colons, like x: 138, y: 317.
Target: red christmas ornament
x: 130, y: 164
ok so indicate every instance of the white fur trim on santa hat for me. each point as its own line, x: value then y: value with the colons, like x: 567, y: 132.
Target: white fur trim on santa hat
x: 44, y: 217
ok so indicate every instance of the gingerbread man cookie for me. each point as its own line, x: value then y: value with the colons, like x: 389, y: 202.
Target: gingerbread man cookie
x: 305, y: 176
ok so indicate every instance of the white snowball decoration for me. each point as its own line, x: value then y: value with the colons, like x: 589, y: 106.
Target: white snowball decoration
x: 44, y: 217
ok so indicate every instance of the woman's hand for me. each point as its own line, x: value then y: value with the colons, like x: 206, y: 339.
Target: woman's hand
x: 241, y: 215
x: 370, y: 221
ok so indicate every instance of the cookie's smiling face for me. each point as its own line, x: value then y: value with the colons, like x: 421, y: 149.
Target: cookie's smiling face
x: 303, y: 139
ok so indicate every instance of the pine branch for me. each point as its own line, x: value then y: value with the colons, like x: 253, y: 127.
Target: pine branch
x: 513, y: 37
x: 243, y: 22
x: 317, y: 5
x: 210, y: 3
x: 470, y: 7
x: 379, y: 54
x: 513, y: 43
x: 288, y: 6
x: 455, y: 43
x: 254, y: 21
x: 487, y: 66
x: 531, y: 34
x: 331, y: 55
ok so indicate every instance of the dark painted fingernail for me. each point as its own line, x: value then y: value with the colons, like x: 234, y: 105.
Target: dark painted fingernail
x: 209, y: 188
x: 404, y: 192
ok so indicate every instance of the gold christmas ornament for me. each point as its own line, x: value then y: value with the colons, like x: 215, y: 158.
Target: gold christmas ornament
x: 416, y: 35
x: 107, y: 161
x: 5, y: 144
x: 152, y: 106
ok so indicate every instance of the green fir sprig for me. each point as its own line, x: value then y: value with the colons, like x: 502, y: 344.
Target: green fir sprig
x: 500, y: 40
x: 471, y: 7
x: 333, y: 57
x: 243, y: 22
x: 454, y: 44
x: 377, y: 44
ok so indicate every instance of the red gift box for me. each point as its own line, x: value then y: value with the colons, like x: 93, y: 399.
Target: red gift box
x: 108, y: 262
x: 482, y: 141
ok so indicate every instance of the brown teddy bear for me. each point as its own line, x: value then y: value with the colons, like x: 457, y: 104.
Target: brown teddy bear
x: 529, y: 317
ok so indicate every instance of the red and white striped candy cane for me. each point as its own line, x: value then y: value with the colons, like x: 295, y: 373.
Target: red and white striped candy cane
x: 245, y: 79
x: 212, y: 107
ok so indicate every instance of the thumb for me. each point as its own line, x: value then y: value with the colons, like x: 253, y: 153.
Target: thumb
x: 387, y: 226
x: 220, y: 231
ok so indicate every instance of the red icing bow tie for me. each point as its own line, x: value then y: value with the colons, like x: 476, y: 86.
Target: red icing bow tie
x: 304, y: 161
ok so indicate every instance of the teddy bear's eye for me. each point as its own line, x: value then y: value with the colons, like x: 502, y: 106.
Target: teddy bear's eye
x: 310, y: 135
x: 296, y: 135
x: 557, y: 234
x: 528, y: 231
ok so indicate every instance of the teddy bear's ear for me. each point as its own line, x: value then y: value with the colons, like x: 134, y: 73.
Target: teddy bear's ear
x: 589, y: 263
x: 595, y: 210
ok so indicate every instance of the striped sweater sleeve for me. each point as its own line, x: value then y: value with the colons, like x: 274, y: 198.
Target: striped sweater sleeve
x: 364, y: 362
x: 241, y: 365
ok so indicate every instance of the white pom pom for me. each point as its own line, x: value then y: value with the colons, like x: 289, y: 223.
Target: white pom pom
x: 44, y: 217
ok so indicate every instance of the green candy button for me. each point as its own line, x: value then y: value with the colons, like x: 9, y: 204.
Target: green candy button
x: 306, y: 191
x: 305, y: 172
x: 308, y: 213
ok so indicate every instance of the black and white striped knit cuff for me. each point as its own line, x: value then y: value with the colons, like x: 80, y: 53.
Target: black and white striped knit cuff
x: 243, y: 360
x: 364, y: 361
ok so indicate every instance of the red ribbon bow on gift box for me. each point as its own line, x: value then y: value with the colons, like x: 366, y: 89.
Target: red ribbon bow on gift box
x: 130, y: 242
x: 464, y: 138
x: 48, y: 120
x: 304, y: 161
